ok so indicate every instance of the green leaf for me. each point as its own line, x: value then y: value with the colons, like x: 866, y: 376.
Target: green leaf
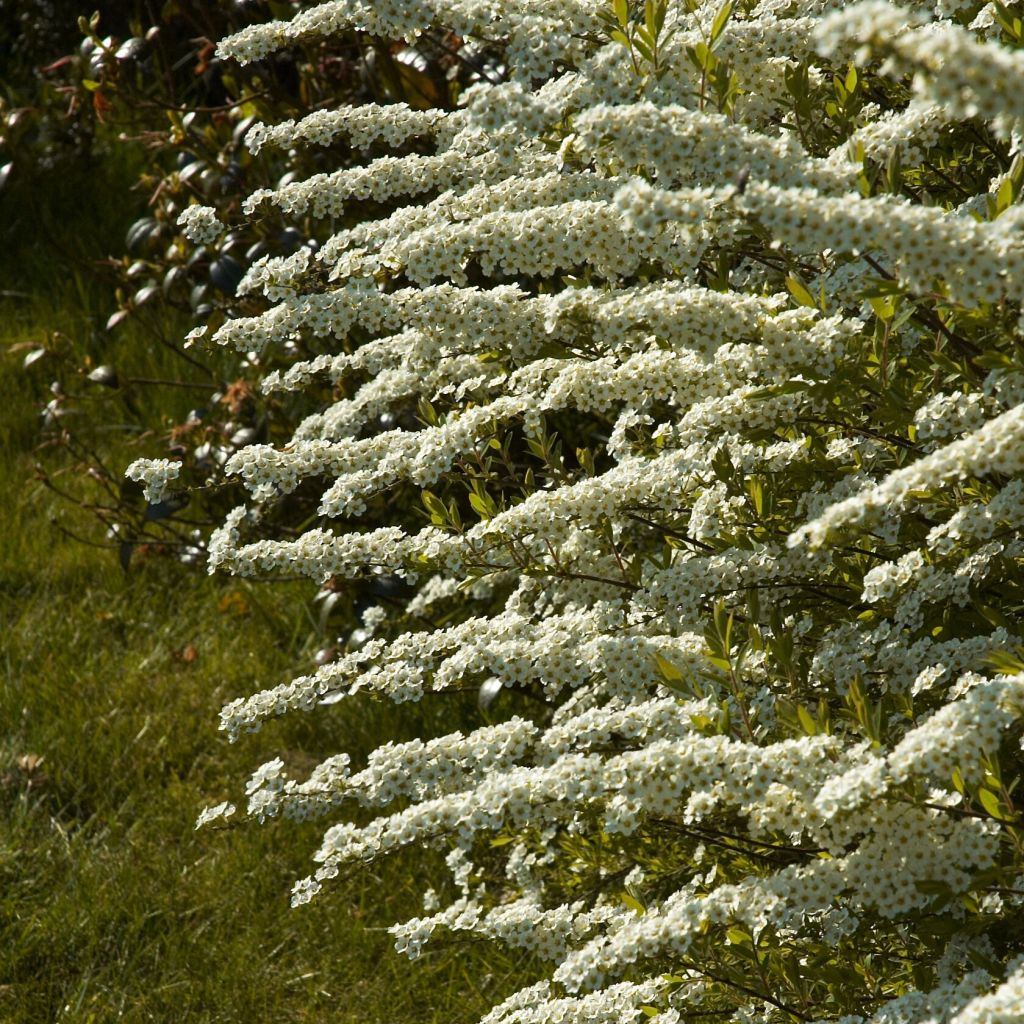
x: 633, y: 903
x: 427, y: 413
x: 701, y: 56
x: 660, y: 10
x: 932, y: 887
x: 482, y: 506
x: 721, y: 465
x: 621, y: 9
x: 725, y: 718
x: 668, y: 671
x: 1009, y: 663
x: 723, y: 626
x: 1017, y: 173
x: 796, y: 78
x: 894, y: 170
x: 721, y: 20
x: 789, y: 388
x: 883, y: 308
x: 1008, y: 21
x: 992, y: 615
x: 755, y: 488
x: 800, y: 292
x: 867, y: 716
x: 880, y: 286
x: 824, y: 716
x: 644, y: 50
x: 986, y: 963
x: 643, y: 33
x: 453, y: 515
x: 993, y: 361
x: 810, y: 726
x: 1004, y: 196
x: 993, y: 805
x: 435, y: 506
x: 651, y: 18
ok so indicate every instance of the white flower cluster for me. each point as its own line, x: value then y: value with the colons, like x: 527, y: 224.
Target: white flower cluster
x: 360, y: 126
x: 537, y: 33
x: 200, y: 224
x: 995, y: 448
x: 750, y: 601
x: 155, y: 475
x: 946, y: 415
x: 951, y: 67
x: 980, y: 262
x: 909, y: 131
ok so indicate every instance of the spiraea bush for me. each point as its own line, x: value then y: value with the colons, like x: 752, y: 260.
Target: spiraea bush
x: 682, y: 388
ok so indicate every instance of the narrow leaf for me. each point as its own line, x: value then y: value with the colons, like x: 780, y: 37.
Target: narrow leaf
x: 721, y: 20
x: 993, y: 805
x: 800, y: 292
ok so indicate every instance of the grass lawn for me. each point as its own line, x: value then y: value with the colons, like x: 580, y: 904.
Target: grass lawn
x: 111, y: 906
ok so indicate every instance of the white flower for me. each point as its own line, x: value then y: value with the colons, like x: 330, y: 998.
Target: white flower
x: 219, y: 812
x: 200, y: 224
x: 155, y: 475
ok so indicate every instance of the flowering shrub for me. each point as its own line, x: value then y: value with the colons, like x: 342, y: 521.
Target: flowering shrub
x: 685, y: 396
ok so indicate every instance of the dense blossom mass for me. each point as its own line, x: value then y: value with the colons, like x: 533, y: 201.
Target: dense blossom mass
x: 676, y: 373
